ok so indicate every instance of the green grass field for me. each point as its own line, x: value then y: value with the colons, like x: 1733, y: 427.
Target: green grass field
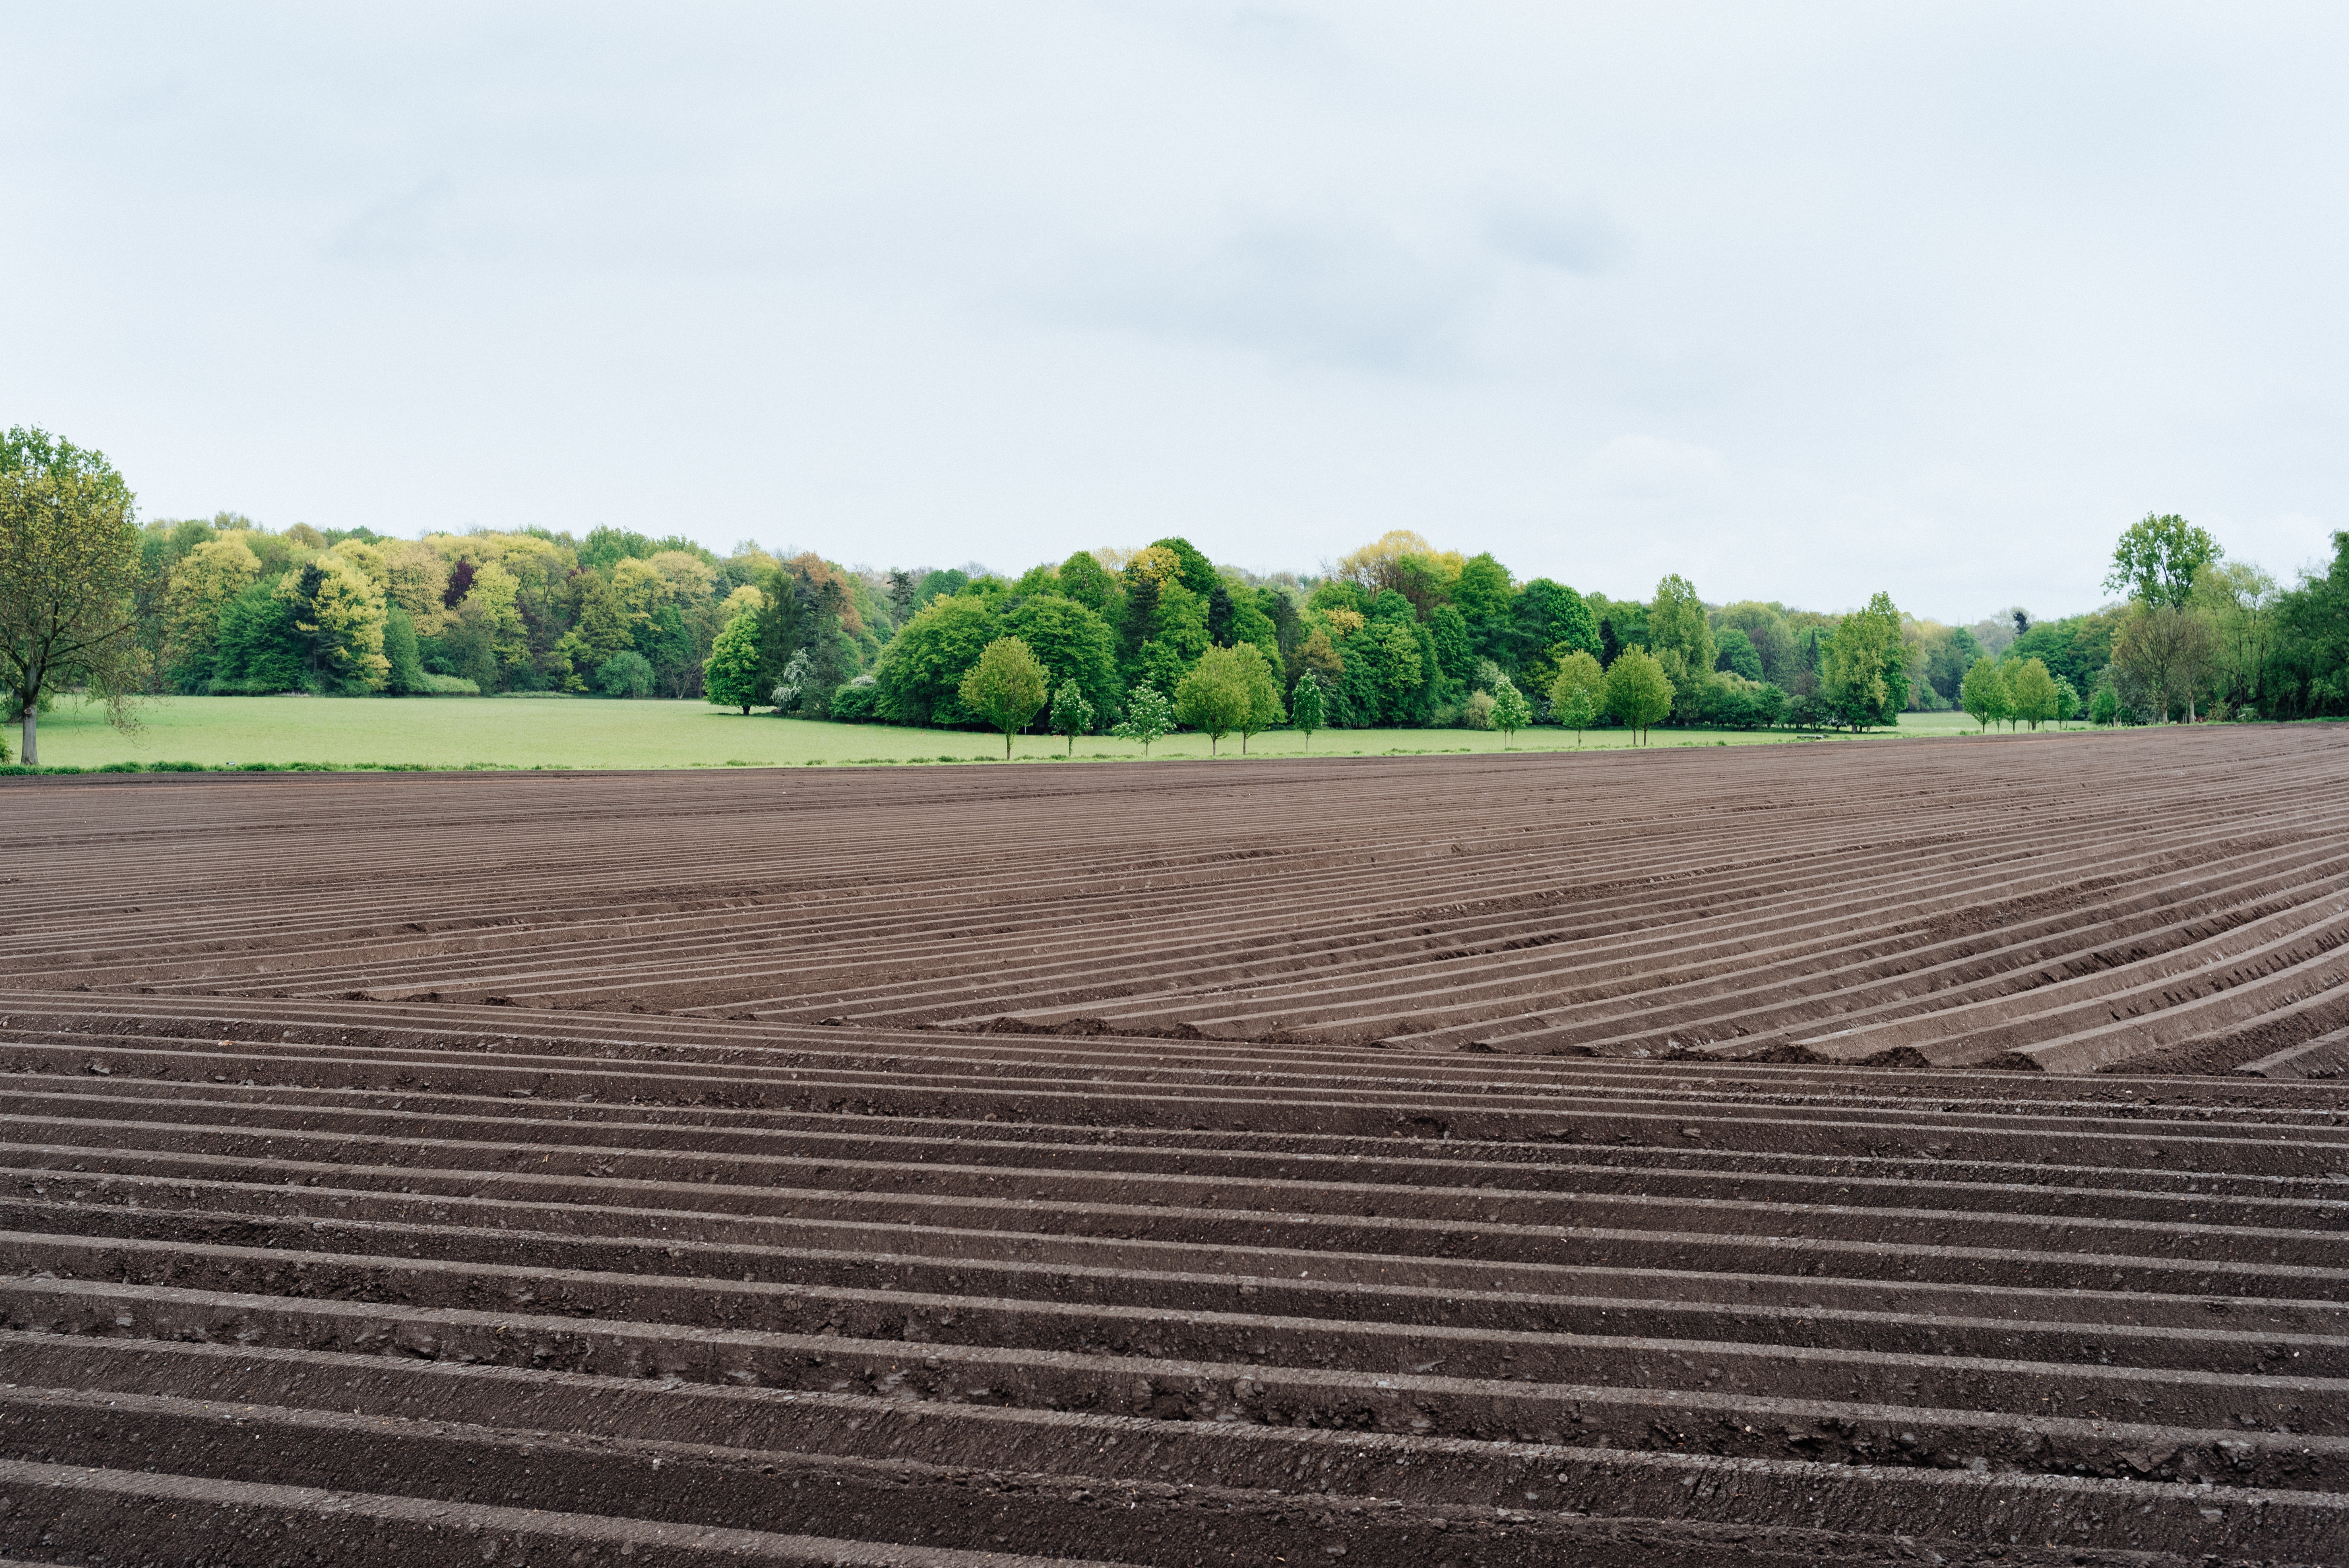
x: 512, y: 732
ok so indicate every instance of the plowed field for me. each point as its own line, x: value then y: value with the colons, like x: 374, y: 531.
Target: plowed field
x: 1776, y: 1156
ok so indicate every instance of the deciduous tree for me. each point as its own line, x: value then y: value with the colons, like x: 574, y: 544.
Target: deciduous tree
x: 68, y: 564
x: 1864, y: 674
x: 1305, y: 704
x: 1006, y: 687
x: 1511, y: 712
x: 730, y: 676
x: 338, y: 617
x: 1263, y: 693
x: 1638, y: 691
x: 2032, y: 691
x: 2168, y: 654
x: 1579, y: 696
x: 1071, y: 715
x: 1983, y: 694
x: 1677, y: 623
x: 203, y: 584
x: 1214, y: 699
x: 1148, y: 715
x: 921, y: 670
x: 1073, y: 643
x: 2157, y: 558
x: 626, y: 674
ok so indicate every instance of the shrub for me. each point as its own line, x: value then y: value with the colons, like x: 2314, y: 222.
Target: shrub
x: 1476, y: 713
x: 447, y: 685
x: 1807, y: 713
x: 858, y: 702
x: 628, y: 674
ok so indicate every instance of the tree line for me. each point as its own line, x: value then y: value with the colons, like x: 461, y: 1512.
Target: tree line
x: 1135, y: 641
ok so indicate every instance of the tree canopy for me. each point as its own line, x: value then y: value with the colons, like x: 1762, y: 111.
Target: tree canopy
x: 69, y: 561
x: 2157, y: 558
x: 1005, y: 688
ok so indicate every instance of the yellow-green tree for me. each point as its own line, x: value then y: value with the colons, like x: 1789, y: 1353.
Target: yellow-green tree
x: 340, y: 616
x: 1071, y: 715
x: 1305, y: 706
x: 1006, y: 687
x: 730, y: 676
x: 201, y: 587
x: 1677, y: 624
x: 68, y: 564
x: 1984, y: 694
x: 1579, y: 696
x: 2031, y: 692
x: 1638, y: 692
x: 1864, y: 678
x: 2163, y: 656
x: 1215, y: 697
x: 1511, y: 712
x: 1264, y: 709
x: 2157, y: 559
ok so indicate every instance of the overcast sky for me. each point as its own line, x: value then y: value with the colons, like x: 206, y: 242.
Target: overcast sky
x: 1798, y: 302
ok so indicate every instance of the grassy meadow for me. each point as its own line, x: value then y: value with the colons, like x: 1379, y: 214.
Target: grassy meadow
x: 554, y: 732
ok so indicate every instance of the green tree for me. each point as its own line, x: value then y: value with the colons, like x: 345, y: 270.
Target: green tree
x: 1043, y: 578
x: 404, y: 672
x: 1005, y: 688
x: 799, y: 676
x: 1547, y: 616
x: 2158, y: 558
x: 1071, y: 642
x: 203, y: 584
x: 1984, y: 694
x: 2308, y: 673
x: 2163, y: 656
x: 2067, y: 701
x: 2104, y: 707
x: 780, y: 634
x: 1093, y: 585
x: 1486, y: 599
x: 2240, y: 602
x: 730, y: 676
x: 1579, y: 696
x: 1737, y: 654
x: 1305, y: 704
x: 1263, y: 693
x: 1511, y: 713
x: 68, y: 567
x: 1638, y: 691
x: 338, y: 617
x: 2032, y: 691
x: 1392, y: 648
x: 1864, y: 675
x: 603, y: 623
x: 255, y: 649
x: 1148, y: 715
x: 1215, y: 697
x: 1071, y: 715
x: 1677, y: 623
x: 921, y: 671
x: 625, y: 674
x: 1195, y: 572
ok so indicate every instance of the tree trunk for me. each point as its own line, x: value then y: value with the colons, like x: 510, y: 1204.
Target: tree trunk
x: 1007, y: 746
x: 32, y: 757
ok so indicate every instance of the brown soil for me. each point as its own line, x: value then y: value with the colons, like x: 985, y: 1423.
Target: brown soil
x: 1617, y: 1159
